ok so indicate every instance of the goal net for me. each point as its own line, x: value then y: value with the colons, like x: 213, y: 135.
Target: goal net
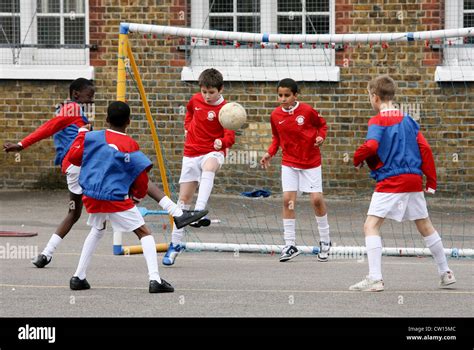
x: 434, y: 73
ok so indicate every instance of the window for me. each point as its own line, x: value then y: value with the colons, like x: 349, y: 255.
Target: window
x: 303, y: 17
x: 468, y: 17
x: 44, y: 39
x: 459, y: 57
x: 10, y: 22
x: 252, y: 62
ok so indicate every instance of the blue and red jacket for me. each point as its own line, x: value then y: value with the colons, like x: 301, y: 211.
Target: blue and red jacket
x: 64, y: 126
x: 397, y: 154
x: 107, y: 173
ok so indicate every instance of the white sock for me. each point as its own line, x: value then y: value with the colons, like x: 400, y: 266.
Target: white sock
x: 205, y: 189
x: 323, y: 228
x: 53, y: 243
x: 149, y: 252
x: 178, y: 234
x: 435, y: 245
x: 90, y: 244
x: 171, y: 207
x: 289, y: 233
x: 373, y: 246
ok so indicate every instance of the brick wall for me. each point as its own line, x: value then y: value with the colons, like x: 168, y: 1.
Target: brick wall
x: 445, y: 110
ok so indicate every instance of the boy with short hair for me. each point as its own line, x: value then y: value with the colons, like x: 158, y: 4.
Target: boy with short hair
x: 69, y: 118
x: 113, y: 172
x: 398, y: 155
x: 300, y: 132
x: 63, y: 127
x: 206, y: 142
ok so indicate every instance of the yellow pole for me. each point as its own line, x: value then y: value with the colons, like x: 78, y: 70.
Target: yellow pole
x: 121, y: 69
x: 137, y: 249
x: 149, y: 118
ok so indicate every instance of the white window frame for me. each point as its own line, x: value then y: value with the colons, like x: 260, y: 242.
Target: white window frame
x: 42, y: 71
x: 268, y: 24
x: 453, y: 69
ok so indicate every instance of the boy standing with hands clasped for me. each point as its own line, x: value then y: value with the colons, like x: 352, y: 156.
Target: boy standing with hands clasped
x: 398, y: 155
x: 300, y: 131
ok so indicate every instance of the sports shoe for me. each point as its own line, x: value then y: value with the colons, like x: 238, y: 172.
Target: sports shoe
x: 368, y: 285
x: 188, y: 217
x: 163, y: 287
x: 203, y: 222
x: 41, y: 261
x: 77, y: 284
x: 289, y: 252
x: 447, y: 278
x: 323, y: 254
x: 171, y: 254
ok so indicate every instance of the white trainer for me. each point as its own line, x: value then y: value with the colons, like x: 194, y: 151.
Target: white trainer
x: 368, y: 285
x: 447, y: 279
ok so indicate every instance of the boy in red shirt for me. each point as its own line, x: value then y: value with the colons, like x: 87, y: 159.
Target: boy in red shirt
x: 206, y: 142
x: 398, y: 156
x: 113, y: 174
x: 300, y: 131
x: 63, y: 127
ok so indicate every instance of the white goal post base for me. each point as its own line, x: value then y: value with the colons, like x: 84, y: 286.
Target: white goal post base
x: 335, y: 251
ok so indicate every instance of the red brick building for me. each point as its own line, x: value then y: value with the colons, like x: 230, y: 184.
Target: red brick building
x: 81, y: 39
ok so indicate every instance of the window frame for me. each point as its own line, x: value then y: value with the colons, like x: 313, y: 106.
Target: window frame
x: 268, y: 24
x: 29, y: 36
x: 448, y: 72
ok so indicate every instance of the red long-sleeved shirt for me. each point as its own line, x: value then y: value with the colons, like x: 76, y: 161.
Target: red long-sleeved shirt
x: 69, y: 113
x: 203, y: 128
x: 296, y: 131
x: 400, y: 183
x: 124, y: 144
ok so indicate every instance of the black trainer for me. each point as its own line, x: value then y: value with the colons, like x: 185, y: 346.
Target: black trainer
x: 77, y: 284
x: 41, y: 261
x: 163, y: 287
x: 203, y: 222
x: 188, y: 217
x: 289, y: 252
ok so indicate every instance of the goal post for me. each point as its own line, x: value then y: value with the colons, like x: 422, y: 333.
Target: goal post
x: 196, y: 37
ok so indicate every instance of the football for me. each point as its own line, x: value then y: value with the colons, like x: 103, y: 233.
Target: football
x: 232, y: 116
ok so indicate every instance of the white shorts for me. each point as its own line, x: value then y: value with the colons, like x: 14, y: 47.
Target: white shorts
x: 398, y: 206
x: 191, y: 169
x: 72, y: 177
x: 122, y: 221
x: 302, y: 180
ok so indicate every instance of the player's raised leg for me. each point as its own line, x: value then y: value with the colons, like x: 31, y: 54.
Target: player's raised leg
x: 211, y: 164
x: 181, y: 218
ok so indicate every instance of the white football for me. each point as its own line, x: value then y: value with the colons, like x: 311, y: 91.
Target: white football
x: 232, y: 116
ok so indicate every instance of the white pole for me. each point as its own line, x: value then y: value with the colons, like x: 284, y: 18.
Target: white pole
x: 355, y: 251
x: 117, y: 244
x: 297, y: 38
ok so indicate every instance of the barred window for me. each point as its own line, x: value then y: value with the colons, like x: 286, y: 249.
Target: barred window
x: 43, y: 34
